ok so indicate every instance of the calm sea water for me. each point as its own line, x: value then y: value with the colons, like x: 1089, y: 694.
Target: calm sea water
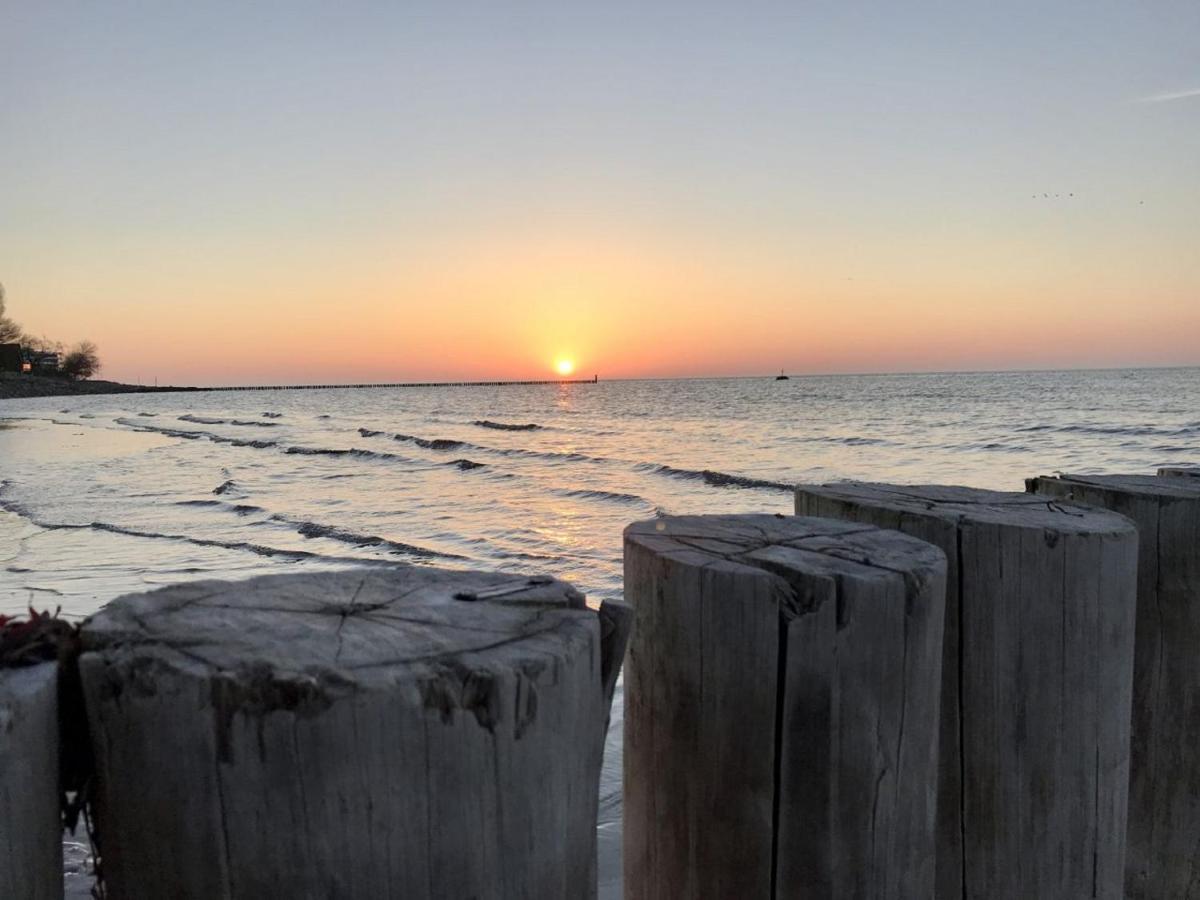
x: 104, y: 495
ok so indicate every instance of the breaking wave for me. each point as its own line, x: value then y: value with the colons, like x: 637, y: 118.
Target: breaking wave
x: 504, y: 426
x: 613, y: 496
x: 715, y: 479
x: 451, y: 444
x: 332, y: 532
x: 307, y: 529
x: 251, y: 423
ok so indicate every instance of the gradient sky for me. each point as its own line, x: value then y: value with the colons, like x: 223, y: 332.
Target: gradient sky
x: 387, y: 191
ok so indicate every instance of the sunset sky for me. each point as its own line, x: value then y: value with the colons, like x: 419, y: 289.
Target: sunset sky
x: 391, y: 191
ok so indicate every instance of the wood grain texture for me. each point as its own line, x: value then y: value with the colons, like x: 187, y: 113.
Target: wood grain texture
x: 404, y: 733
x: 1037, y: 682
x: 31, y: 864
x: 781, y: 709
x: 1163, y: 858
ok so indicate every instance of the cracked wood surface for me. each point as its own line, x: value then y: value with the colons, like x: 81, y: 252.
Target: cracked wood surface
x: 31, y: 864
x: 781, y: 712
x: 364, y: 733
x: 1037, y: 679
x: 1163, y: 858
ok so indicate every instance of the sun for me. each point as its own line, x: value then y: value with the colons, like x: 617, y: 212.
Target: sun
x: 564, y: 367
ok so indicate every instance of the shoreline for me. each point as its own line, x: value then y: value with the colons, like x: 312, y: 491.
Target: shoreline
x: 22, y: 387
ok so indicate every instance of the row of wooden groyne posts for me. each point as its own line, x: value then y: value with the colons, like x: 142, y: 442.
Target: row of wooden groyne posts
x: 595, y: 379
x: 900, y: 692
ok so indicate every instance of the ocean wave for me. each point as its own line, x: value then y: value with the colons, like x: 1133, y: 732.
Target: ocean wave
x: 1128, y: 430
x: 308, y: 529
x: 225, y: 487
x: 448, y: 444
x: 247, y: 423
x: 272, y: 415
x: 435, y: 443
x: 353, y: 452
x: 427, y: 443
x: 334, y: 533
x: 991, y: 447
x: 246, y: 546
x: 240, y: 509
x: 715, y: 479
x: 504, y: 426
x: 196, y: 435
x: 614, y: 496
x: 356, y: 453
x: 847, y: 441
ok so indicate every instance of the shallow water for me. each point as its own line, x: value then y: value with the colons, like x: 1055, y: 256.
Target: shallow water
x: 109, y: 494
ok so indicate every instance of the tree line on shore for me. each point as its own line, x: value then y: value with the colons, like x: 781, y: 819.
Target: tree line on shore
x: 81, y: 361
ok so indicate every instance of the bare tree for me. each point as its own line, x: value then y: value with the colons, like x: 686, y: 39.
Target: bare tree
x: 42, y: 344
x: 10, y: 331
x: 82, y: 362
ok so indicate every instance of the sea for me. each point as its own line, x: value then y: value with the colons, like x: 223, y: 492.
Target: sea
x: 104, y: 495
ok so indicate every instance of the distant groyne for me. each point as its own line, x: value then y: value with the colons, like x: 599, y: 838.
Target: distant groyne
x: 401, y: 384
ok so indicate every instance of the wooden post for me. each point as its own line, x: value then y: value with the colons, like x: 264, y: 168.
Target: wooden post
x: 781, y: 706
x: 365, y: 733
x: 30, y: 827
x: 1180, y: 471
x: 1038, y: 672
x: 1163, y: 859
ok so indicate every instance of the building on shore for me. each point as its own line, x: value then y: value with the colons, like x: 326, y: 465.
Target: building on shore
x: 45, y: 362
x: 11, y: 358
x: 15, y: 358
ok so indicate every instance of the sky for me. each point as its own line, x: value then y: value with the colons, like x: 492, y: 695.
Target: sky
x: 226, y: 193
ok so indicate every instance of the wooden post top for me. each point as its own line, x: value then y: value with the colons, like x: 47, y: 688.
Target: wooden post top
x: 1180, y: 472
x: 782, y: 546
x: 356, y: 628
x: 1151, y: 486
x: 952, y: 503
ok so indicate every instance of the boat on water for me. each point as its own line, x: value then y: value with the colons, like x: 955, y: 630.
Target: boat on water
x: 781, y: 376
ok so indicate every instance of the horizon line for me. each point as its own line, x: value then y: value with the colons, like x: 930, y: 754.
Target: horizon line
x: 713, y: 377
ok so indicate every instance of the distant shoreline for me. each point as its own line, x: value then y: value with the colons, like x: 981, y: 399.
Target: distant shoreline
x: 17, y: 387
x: 21, y: 387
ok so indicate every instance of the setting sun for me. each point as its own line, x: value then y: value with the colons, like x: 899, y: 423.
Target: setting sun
x: 564, y: 367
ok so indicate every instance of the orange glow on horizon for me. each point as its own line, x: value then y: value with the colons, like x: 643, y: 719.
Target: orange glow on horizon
x: 523, y: 305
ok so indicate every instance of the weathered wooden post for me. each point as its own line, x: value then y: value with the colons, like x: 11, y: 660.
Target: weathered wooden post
x: 781, y: 706
x: 1163, y: 857
x: 30, y: 826
x: 366, y: 733
x: 1038, y: 672
x: 1180, y: 471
